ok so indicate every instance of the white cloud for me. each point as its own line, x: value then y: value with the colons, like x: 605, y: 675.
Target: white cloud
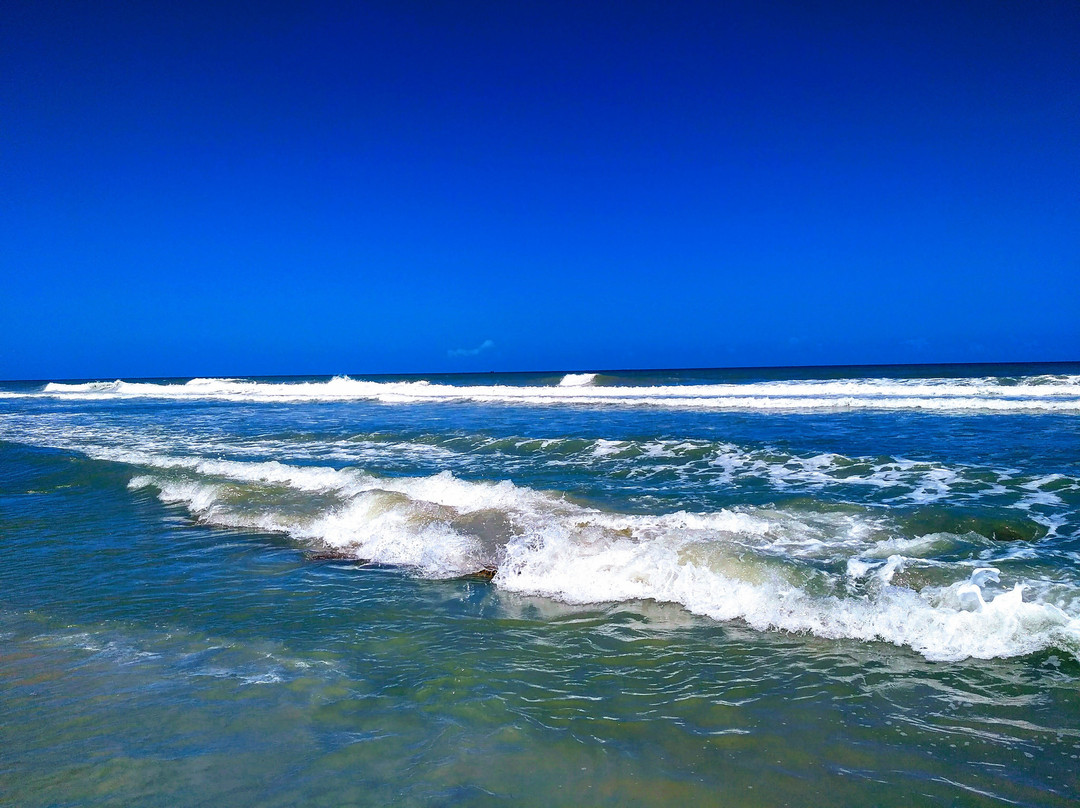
x: 483, y: 346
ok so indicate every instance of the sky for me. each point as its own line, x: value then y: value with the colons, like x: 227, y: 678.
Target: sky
x: 196, y: 189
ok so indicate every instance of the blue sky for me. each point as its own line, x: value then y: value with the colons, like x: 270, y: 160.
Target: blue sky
x: 242, y: 188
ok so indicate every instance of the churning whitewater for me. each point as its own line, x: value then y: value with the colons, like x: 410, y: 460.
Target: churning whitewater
x: 828, y: 574
x: 870, y: 509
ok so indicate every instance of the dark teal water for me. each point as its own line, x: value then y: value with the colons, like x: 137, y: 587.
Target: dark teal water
x: 829, y: 587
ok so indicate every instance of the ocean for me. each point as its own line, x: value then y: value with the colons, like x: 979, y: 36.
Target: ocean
x: 810, y: 586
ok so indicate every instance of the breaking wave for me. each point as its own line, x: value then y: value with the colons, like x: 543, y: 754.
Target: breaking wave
x: 578, y: 380
x: 830, y: 574
x: 697, y: 468
x: 989, y: 394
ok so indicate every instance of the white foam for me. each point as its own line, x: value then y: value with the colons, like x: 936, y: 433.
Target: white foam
x: 605, y: 448
x: 577, y: 380
x: 1062, y: 394
x: 941, y: 623
x: 745, y: 564
x: 834, y: 574
x: 697, y: 464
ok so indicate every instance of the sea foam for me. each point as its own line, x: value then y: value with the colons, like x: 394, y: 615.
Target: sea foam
x: 577, y: 380
x: 774, y: 569
x: 989, y: 394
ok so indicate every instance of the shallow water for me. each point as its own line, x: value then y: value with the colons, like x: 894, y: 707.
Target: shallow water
x: 724, y: 602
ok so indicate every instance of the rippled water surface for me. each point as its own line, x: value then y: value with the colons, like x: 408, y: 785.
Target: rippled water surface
x: 740, y: 588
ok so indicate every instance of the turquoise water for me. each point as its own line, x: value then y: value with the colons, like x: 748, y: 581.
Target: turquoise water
x: 822, y: 586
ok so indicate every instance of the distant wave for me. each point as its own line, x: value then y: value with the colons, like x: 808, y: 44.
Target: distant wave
x: 988, y: 394
x: 577, y: 380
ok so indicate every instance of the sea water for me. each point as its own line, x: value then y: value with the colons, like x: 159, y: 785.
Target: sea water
x: 839, y: 586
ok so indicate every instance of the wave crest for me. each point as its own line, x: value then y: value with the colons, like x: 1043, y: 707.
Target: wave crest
x: 990, y: 394
x: 578, y: 380
x: 803, y: 571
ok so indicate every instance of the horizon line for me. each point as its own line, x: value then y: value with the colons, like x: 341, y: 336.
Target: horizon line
x: 557, y: 371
